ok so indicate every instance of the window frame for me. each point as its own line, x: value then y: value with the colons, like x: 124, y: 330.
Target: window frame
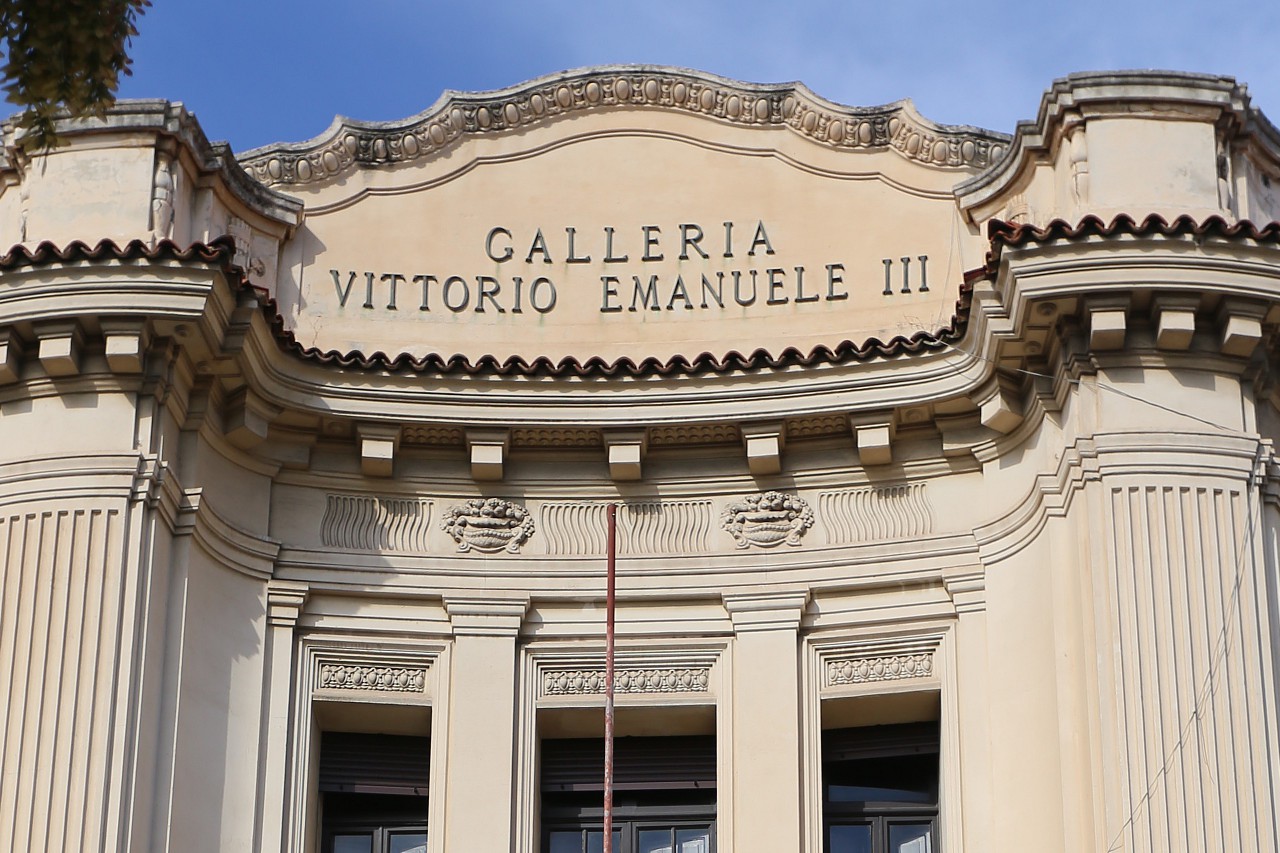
x: 882, y: 742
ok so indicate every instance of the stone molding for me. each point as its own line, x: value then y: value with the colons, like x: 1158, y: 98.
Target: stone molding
x: 398, y: 673
x: 238, y: 549
x: 879, y: 661
x: 591, y: 682
x: 366, y: 677
x: 897, y: 127
x: 886, y: 668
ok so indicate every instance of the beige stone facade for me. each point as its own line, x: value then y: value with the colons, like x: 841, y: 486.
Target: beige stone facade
x: 949, y: 504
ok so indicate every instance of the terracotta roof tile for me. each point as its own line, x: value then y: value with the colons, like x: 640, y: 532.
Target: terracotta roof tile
x: 1007, y: 234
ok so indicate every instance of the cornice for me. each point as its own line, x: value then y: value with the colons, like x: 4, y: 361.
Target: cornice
x: 349, y: 144
x: 1077, y: 96
x: 1037, y: 284
x: 173, y: 120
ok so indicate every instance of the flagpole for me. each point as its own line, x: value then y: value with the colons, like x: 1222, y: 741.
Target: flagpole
x: 608, y: 678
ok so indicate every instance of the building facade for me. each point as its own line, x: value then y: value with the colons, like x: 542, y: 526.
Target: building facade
x: 949, y: 509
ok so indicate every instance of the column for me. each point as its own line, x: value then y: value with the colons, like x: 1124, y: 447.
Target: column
x: 480, y: 749
x: 284, y: 606
x: 766, y: 811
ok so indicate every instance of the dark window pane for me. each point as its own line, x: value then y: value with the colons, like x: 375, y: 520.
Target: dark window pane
x: 655, y: 841
x: 910, y: 838
x: 900, y: 779
x: 353, y: 843
x: 849, y: 839
x: 869, y: 794
x: 566, y: 842
x: 595, y: 841
x: 408, y: 842
x: 693, y: 841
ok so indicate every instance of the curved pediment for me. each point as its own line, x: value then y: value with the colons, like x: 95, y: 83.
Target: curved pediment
x: 349, y: 144
x: 626, y: 215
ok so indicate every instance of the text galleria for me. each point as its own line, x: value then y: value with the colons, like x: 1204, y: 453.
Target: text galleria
x: 621, y: 291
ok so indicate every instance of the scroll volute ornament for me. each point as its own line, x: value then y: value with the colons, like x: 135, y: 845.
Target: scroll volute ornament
x: 767, y: 519
x: 488, y: 525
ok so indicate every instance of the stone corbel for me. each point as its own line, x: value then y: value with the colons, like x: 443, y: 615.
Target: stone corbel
x: 247, y: 418
x: 59, y: 347
x: 488, y: 451
x: 1108, y: 322
x: 10, y: 357
x: 379, y: 444
x: 1000, y: 408
x: 873, y: 439
x: 764, y: 443
x: 1240, y: 327
x: 1175, y: 321
x: 626, y: 452
x: 124, y: 346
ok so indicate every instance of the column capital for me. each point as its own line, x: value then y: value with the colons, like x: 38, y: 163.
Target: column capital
x: 766, y: 610
x: 486, y: 615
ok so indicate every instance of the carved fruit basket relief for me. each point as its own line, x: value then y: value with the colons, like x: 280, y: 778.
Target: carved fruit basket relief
x: 488, y: 525
x: 767, y: 519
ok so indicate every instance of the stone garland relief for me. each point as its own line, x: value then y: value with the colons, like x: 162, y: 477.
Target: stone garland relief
x: 767, y: 519
x: 371, y: 677
x: 590, y: 682
x: 488, y: 525
x: 884, y: 668
x: 889, y: 126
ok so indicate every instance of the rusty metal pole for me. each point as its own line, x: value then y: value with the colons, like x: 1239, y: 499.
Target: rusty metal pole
x: 608, y: 679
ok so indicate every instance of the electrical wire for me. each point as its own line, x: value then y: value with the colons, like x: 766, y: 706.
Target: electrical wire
x: 1221, y: 645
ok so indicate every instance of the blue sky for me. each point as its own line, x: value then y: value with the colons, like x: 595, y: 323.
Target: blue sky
x: 278, y: 70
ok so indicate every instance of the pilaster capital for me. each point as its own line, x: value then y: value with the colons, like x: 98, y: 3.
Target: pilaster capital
x: 766, y: 610
x: 487, y: 615
x: 284, y: 602
x: 967, y: 587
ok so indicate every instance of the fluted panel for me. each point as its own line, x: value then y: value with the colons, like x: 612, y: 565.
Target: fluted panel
x: 875, y: 513
x: 371, y: 523
x: 59, y: 635
x: 1188, y: 657
x: 644, y: 527
x: 665, y: 527
x: 575, y: 528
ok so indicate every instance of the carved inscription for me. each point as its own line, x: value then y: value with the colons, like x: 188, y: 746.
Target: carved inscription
x: 767, y: 519
x: 521, y: 281
x: 590, y: 682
